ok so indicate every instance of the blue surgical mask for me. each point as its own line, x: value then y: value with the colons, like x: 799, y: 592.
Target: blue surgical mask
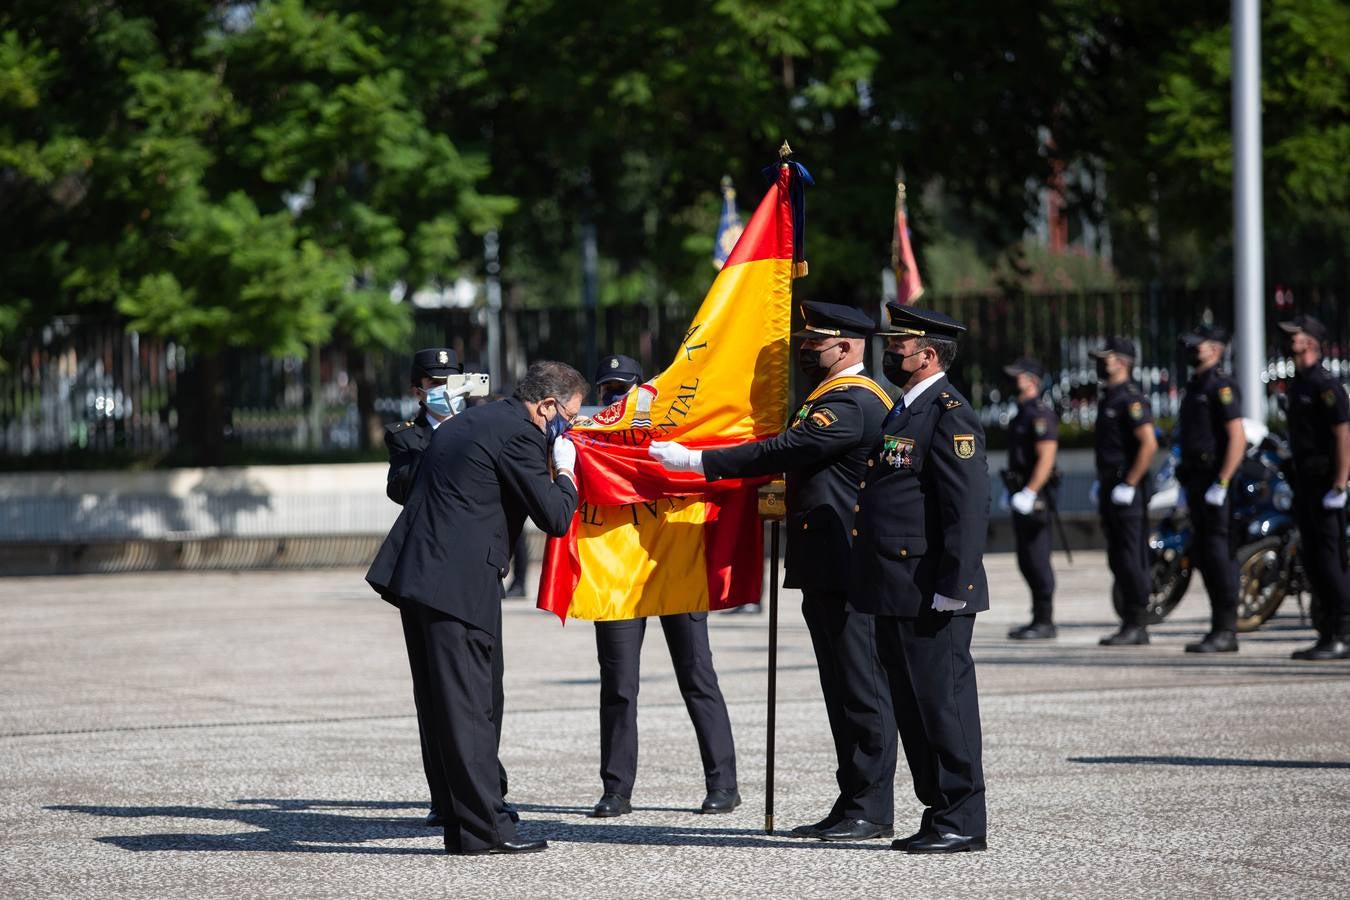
x: 439, y: 403
x: 557, y: 427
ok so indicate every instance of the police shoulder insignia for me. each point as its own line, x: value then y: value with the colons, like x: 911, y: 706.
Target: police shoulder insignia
x: 948, y: 401
x: 1137, y: 410
x: 1329, y: 397
x: 399, y: 426
x: 824, y: 417
x: 1225, y: 395
x: 964, y: 444
x: 1040, y: 427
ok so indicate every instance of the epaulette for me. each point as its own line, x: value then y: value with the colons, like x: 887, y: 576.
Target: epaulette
x: 400, y: 426
x: 948, y: 401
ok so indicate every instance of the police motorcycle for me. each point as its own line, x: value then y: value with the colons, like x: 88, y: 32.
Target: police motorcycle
x: 1270, y: 562
x: 1262, y: 523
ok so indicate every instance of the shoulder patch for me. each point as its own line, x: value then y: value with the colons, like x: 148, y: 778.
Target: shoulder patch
x: 1226, y: 395
x: 1329, y: 397
x: 964, y: 445
x: 948, y: 401
x: 824, y: 417
x: 1137, y: 410
x: 1040, y: 427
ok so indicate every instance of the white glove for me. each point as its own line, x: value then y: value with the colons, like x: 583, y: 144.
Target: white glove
x: 565, y: 456
x: 1003, y: 502
x: 1024, y: 501
x: 1216, y: 494
x: 1333, y: 499
x: 676, y: 457
x: 947, y: 604
x: 1095, y: 493
x: 1122, y: 494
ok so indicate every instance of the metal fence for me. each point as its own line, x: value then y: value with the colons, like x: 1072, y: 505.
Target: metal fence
x: 81, y: 388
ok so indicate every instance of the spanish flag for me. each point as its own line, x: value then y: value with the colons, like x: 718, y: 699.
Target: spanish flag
x: 649, y: 542
x: 908, y: 285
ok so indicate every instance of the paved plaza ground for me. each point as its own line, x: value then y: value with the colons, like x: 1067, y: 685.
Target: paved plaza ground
x: 242, y: 735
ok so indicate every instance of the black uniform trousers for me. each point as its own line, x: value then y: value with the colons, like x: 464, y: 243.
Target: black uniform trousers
x: 1126, y: 530
x: 618, y: 646
x: 857, y: 704
x: 1032, y: 534
x: 936, y: 708
x: 417, y: 662
x: 462, y: 689
x: 1323, y: 556
x: 1214, y: 557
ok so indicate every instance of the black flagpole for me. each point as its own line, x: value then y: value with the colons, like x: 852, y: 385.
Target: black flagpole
x: 771, y: 507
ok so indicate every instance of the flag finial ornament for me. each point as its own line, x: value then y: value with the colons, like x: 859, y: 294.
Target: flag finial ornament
x: 784, y: 152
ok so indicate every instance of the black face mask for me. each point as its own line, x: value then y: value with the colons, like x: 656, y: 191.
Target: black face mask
x: 1102, y: 374
x: 892, y: 366
x: 808, y: 361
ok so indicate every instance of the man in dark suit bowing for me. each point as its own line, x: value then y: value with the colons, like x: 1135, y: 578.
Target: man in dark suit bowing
x: 824, y: 453
x: 442, y: 565
x: 917, y: 567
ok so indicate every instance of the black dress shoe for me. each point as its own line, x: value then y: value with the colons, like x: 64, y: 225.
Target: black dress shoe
x: 1127, y: 636
x: 903, y: 843
x: 611, y: 805
x: 854, y: 830
x: 945, y: 843
x: 813, y: 830
x: 1036, y: 631
x: 721, y: 801
x: 505, y: 847
x: 1325, y: 648
x: 1215, y: 642
x: 434, y: 819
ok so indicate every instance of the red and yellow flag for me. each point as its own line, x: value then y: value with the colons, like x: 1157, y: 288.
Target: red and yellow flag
x: 646, y: 541
x: 908, y: 285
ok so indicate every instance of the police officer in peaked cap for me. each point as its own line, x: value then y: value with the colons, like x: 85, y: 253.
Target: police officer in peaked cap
x: 917, y: 567
x: 824, y: 455
x: 1033, y: 441
x: 1319, y: 439
x: 1212, y: 443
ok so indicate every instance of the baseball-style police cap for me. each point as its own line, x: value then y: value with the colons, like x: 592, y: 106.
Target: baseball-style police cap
x: 913, y: 321
x: 1118, y: 345
x: 435, y: 362
x: 1308, y: 325
x: 824, y: 320
x: 1026, y: 365
x: 624, y: 369
x: 1204, y: 333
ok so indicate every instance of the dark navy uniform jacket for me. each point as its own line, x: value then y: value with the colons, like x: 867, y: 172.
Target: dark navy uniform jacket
x: 923, y: 511
x: 484, y: 471
x: 1122, y: 409
x: 824, y: 452
x: 1034, y: 422
x: 406, y: 441
x: 1317, y: 403
x: 1210, y: 402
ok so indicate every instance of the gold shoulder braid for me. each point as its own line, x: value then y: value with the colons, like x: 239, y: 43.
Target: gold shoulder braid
x: 847, y: 381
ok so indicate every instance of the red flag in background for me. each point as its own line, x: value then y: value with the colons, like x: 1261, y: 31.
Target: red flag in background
x: 908, y: 285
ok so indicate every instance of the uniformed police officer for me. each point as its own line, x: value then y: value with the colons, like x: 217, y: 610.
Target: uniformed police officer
x: 1033, y: 440
x: 917, y: 567
x: 618, y: 647
x: 1212, y: 443
x: 406, y: 440
x: 824, y: 453
x: 1125, y: 447
x: 1319, y: 438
